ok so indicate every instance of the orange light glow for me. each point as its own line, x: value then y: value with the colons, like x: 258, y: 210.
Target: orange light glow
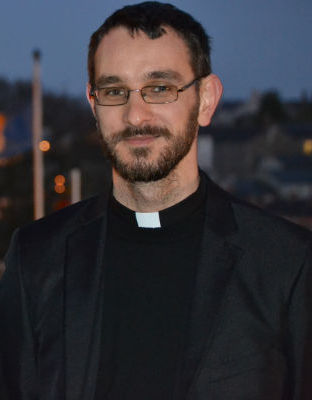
x: 44, y: 145
x: 59, y: 189
x: 59, y: 179
x: 307, y: 147
x: 2, y: 122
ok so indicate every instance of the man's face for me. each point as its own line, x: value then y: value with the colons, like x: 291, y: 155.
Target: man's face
x: 146, y: 141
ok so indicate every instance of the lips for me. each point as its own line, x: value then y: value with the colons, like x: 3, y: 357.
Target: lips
x: 141, y: 140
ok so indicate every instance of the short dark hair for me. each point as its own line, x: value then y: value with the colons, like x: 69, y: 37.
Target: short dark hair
x: 152, y: 17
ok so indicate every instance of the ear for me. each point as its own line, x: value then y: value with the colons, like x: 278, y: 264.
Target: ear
x: 210, y: 93
x: 90, y: 98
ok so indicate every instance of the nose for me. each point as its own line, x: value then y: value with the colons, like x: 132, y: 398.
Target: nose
x: 136, y: 111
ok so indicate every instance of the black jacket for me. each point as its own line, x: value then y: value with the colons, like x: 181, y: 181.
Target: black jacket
x: 250, y: 332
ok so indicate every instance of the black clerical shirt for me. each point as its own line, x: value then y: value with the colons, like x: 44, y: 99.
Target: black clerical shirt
x: 149, y: 278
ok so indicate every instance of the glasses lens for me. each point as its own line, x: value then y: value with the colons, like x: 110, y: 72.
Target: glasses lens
x: 112, y: 96
x: 160, y: 94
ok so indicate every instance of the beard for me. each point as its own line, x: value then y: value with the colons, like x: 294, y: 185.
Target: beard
x: 140, y: 169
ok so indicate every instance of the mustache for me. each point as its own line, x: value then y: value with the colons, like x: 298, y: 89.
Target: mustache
x: 129, y: 132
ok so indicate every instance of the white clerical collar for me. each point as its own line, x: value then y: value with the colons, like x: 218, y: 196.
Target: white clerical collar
x: 148, y: 220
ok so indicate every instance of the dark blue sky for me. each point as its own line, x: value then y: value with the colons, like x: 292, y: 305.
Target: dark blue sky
x: 257, y: 44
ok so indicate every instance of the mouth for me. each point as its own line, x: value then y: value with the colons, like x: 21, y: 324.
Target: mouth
x: 141, y: 140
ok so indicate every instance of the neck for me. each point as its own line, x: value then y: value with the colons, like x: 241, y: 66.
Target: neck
x: 158, y: 195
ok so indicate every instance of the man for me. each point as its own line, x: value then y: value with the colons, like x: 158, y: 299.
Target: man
x: 164, y: 287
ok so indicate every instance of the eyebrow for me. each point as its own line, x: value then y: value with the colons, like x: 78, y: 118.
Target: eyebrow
x: 107, y: 79
x: 165, y: 74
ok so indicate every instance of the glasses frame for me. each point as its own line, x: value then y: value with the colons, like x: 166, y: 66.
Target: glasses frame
x: 128, y: 91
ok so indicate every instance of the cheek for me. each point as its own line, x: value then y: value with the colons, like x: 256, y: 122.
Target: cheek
x: 179, y: 112
x: 170, y: 116
x: 109, y: 120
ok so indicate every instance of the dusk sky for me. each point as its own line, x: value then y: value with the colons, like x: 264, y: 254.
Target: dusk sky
x: 257, y: 44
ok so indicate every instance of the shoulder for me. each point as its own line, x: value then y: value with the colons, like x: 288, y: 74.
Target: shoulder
x: 54, y: 228
x: 39, y: 248
x: 258, y: 225
x: 253, y: 229
x: 276, y: 251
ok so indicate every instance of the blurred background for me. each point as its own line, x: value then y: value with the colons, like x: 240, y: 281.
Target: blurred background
x: 259, y: 145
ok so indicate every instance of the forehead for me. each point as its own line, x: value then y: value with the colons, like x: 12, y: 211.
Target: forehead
x: 135, y: 57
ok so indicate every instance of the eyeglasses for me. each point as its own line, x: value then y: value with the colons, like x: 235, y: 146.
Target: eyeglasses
x: 152, y: 94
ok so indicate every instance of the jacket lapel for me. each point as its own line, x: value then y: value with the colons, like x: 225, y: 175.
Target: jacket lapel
x: 83, y: 317
x: 217, y: 260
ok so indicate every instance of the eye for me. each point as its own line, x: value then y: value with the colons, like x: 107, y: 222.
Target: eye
x: 114, y: 92
x: 160, y: 89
